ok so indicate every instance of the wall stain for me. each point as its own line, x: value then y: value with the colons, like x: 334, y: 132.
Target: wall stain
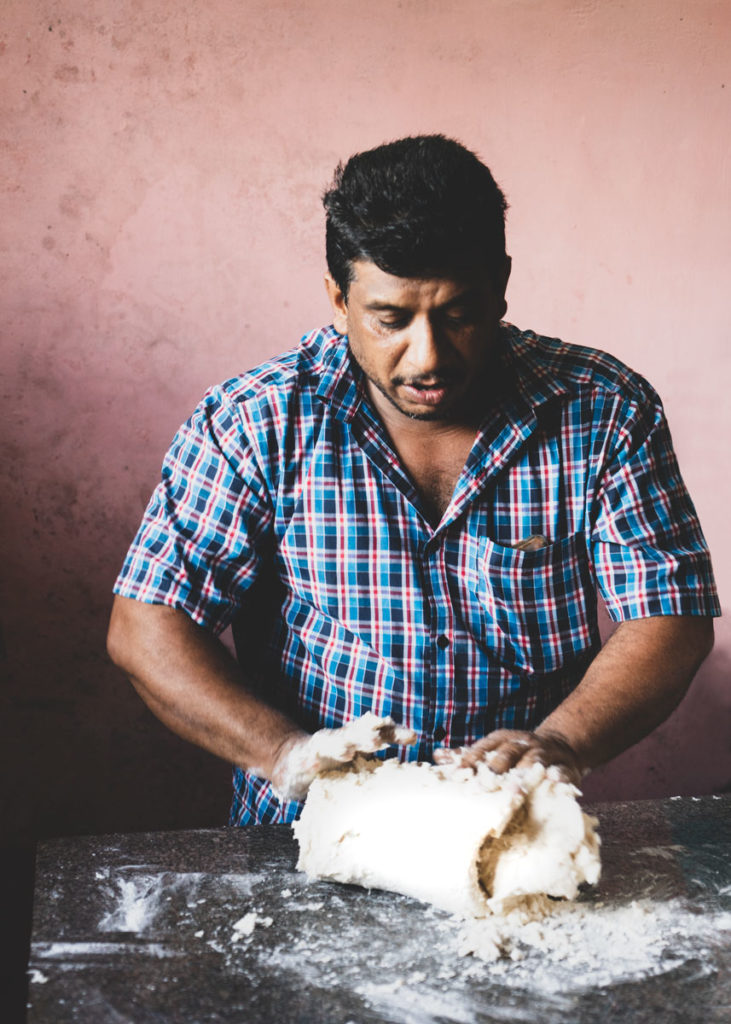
x: 159, y: 341
x: 67, y: 73
x: 73, y: 203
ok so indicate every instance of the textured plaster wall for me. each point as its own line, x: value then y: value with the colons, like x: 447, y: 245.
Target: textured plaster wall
x: 161, y: 164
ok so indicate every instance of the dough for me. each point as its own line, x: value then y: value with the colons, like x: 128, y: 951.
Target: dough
x: 472, y: 843
x: 329, y: 748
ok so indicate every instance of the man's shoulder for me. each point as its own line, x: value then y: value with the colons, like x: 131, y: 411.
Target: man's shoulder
x: 301, y: 368
x: 575, y: 368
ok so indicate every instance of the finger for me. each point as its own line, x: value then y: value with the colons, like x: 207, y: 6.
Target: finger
x: 498, y: 737
x: 502, y: 758
x: 565, y: 770
x: 331, y: 747
x: 392, y: 733
x: 341, y: 745
x: 476, y: 752
x: 492, y: 747
x: 449, y: 756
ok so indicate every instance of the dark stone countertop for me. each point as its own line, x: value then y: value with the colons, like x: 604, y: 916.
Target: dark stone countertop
x: 140, y: 928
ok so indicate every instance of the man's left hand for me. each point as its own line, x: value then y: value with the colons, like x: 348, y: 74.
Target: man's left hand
x: 510, y: 748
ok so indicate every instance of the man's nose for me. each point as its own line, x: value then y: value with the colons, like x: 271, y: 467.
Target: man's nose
x: 426, y: 347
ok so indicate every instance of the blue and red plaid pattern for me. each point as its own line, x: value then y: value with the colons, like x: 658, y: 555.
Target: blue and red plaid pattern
x: 283, y: 510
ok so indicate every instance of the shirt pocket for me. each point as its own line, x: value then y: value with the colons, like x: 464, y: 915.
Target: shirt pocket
x: 539, y: 607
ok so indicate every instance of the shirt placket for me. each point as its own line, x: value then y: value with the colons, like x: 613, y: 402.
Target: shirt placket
x: 497, y: 445
x: 440, y: 667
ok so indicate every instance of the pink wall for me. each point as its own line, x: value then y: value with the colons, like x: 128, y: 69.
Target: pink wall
x: 161, y: 229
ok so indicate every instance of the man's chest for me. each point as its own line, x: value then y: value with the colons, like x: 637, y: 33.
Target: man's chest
x: 435, y: 468
x: 362, y: 564
x: 347, y: 499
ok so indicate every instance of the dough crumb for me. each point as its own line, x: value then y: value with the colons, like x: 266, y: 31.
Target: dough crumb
x: 245, y: 926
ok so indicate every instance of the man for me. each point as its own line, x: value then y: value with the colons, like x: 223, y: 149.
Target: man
x: 410, y: 514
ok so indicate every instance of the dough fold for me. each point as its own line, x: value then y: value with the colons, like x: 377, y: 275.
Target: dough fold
x: 472, y: 843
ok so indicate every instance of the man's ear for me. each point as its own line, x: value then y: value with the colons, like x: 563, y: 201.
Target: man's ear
x: 338, y: 303
x: 505, y: 274
x: 503, y: 279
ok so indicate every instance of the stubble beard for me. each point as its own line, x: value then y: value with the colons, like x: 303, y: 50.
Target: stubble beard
x: 430, y: 416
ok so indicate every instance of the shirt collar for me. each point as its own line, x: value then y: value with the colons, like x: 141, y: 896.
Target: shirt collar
x: 524, y: 385
x: 341, y: 384
x: 529, y: 383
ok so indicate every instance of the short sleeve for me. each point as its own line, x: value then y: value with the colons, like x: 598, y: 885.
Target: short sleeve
x: 201, y: 541
x: 650, y: 555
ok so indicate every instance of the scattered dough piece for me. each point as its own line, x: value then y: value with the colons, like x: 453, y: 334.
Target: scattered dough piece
x: 245, y: 925
x: 472, y: 843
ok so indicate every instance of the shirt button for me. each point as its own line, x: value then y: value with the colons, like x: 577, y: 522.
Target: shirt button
x: 439, y: 733
x: 442, y: 641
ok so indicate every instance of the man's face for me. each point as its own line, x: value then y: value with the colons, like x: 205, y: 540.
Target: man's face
x: 424, y: 344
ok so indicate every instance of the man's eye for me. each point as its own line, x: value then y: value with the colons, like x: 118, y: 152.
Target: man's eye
x: 392, y: 323
x: 458, y: 317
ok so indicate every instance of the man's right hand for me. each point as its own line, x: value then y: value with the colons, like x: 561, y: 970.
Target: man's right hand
x: 301, y: 758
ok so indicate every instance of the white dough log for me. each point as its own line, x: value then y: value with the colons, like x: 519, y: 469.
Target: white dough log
x: 469, y: 842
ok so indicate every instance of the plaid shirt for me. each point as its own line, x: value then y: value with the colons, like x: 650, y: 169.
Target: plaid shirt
x: 284, y: 510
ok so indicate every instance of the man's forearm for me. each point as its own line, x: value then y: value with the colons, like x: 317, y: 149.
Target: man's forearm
x: 634, y: 683
x: 190, y: 681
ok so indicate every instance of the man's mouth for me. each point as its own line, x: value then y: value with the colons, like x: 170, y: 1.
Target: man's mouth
x: 426, y: 392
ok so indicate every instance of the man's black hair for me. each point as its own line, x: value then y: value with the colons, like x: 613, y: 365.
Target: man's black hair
x: 423, y: 206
